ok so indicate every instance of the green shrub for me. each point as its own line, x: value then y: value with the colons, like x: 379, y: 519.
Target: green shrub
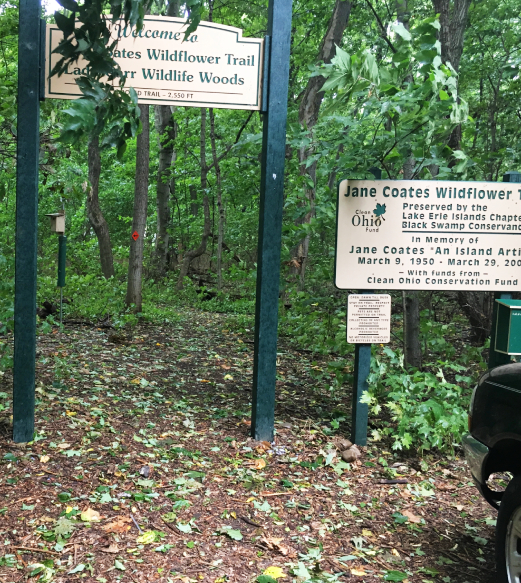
x: 427, y: 410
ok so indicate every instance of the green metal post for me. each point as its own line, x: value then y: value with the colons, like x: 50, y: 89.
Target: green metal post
x: 498, y: 358
x: 360, y: 411
x: 270, y: 221
x: 62, y: 252
x: 28, y: 138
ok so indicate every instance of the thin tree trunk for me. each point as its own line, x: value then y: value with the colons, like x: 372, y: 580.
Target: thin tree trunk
x: 166, y: 130
x: 411, y: 329
x: 94, y: 214
x: 411, y: 300
x: 220, y: 205
x: 453, y: 21
x: 139, y: 221
x: 198, y: 251
x: 308, y: 116
x: 194, y: 205
x: 202, y: 152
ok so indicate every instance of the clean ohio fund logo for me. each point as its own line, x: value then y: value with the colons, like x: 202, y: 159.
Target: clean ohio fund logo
x: 370, y: 220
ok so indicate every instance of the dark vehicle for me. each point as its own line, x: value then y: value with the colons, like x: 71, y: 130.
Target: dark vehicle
x: 494, y: 445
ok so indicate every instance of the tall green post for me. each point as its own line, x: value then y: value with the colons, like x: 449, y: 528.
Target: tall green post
x: 28, y: 145
x: 360, y: 411
x: 270, y: 220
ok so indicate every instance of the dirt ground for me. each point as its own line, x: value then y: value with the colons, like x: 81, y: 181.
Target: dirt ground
x: 143, y: 470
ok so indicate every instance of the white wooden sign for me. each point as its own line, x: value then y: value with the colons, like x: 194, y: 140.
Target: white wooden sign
x: 369, y: 318
x: 214, y: 67
x: 428, y: 235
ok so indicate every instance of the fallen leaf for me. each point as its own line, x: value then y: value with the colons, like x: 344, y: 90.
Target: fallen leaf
x: 64, y: 445
x: 412, y: 517
x: 259, y: 464
x: 366, y: 532
x: 275, y: 544
x: 121, y: 524
x: 445, y: 487
x: 44, y: 459
x: 358, y: 572
x: 147, y: 538
x: 90, y: 515
x: 113, y: 548
x: 274, y: 572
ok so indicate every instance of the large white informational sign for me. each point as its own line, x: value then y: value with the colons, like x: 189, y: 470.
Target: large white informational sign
x: 214, y: 67
x: 428, y: 235
x: 368, y: 318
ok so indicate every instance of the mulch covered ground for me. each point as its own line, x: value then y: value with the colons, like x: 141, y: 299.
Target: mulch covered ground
x: 143, y: 470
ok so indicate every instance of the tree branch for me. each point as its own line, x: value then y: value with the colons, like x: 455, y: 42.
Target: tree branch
x: 382, y: 27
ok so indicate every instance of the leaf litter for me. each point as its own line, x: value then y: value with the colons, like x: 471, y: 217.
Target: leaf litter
x: 142, y: 469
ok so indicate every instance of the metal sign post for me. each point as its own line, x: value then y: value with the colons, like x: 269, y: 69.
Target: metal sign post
x: 28, y: 146
x: 270, y: 221
x: 360, y: 411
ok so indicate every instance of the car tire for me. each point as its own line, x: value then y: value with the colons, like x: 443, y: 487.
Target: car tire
x: 508, y: 534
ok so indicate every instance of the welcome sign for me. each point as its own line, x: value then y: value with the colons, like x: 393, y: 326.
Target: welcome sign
x: 428, y: 235
x: 214, y: 67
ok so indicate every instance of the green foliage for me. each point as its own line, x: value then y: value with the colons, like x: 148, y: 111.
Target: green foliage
x: 404, y: 107
x: 427, y: 410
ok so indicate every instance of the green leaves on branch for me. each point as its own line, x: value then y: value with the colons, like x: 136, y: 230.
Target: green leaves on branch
x: 112, y: 112
x: 107, y: 106
x: 429, y: 412
x: 350, y: 73
x: 405, y: 106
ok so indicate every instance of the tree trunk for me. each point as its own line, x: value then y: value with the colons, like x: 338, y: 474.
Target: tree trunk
x: 411, y: 303
x: 202, y: 152
x: 193, y: 253
x: 477, y: 306
x: 194, y: 205
x: 453, y: 21
x: 220, y: 205
x: 411, y: 329
x: 139, y: 220
x: 166, y: 129
x: 308, y: 116
x: 94, y: 214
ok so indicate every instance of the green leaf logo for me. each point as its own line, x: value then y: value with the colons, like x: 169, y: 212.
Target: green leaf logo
x: 379, y: 211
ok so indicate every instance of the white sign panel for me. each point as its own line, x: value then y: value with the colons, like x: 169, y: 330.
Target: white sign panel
x: 214, y: 67
x: 428, y: 235
x: 369, y: 318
